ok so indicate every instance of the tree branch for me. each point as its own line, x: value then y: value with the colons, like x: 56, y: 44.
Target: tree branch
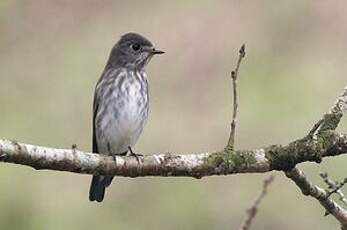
x: 234, y: 76
x: 274, y: 157
x: 327, y: 124
x: 308, y: 189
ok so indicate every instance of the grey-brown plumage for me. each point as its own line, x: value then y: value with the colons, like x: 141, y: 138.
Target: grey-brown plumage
x: 120, y: 103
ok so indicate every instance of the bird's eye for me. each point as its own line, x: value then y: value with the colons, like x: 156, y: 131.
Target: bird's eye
x: 135, y: 46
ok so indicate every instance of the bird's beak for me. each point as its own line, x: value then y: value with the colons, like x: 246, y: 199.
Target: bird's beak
x: 154, y: 50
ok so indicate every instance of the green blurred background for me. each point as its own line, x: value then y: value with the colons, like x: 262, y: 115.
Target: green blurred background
x: 53, y: 52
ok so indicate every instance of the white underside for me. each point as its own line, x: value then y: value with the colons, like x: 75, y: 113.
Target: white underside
x: 122, y: 131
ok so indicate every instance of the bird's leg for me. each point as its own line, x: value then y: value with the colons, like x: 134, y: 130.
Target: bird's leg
x: 112, y: 154
x: 134, y: 154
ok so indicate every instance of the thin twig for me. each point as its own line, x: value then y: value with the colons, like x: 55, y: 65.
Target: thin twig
x: 335, y: 187
x: 234, y: 76
x: 252, y: 211
x: 337, y: 190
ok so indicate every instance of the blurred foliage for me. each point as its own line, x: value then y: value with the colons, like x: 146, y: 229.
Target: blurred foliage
x: 52, y: 53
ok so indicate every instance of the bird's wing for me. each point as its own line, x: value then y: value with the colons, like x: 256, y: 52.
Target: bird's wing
x: 96, y: 104
x: 95, y: 110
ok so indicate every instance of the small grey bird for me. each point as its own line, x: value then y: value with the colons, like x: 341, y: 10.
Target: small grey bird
x: 120, y: 106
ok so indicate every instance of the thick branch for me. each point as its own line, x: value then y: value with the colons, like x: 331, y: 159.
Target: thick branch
x: 273, y: 157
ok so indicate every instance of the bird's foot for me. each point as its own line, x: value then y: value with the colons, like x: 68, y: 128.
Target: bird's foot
x: 135, y: 155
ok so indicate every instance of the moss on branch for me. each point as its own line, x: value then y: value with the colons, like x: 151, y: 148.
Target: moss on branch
x: 277, y: 157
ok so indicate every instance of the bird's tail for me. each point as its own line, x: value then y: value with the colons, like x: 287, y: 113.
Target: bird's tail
x: 98, y: 186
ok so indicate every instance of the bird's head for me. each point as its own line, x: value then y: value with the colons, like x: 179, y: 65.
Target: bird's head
x: 132, y: 51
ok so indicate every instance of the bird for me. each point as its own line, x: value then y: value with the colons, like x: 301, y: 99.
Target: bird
x: 121, y: 103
